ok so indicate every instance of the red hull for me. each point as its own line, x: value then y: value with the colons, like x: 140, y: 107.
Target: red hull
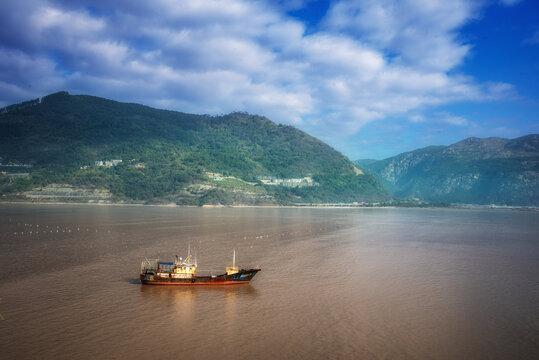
x: 147, y: 282
x: 241, y: 277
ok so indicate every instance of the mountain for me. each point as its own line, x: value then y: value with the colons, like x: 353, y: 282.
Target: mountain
x: 71, y: 144
x: 473, y: 171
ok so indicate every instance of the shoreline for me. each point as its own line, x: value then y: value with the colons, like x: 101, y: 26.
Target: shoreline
x: 312, y: 206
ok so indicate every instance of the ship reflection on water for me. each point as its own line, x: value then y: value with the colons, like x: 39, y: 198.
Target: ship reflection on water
x: 185, y: 311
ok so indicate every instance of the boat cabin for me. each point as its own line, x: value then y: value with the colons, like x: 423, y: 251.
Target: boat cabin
x: 185, y: 269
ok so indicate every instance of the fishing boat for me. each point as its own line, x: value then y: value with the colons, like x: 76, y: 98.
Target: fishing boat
x: 184, y: 272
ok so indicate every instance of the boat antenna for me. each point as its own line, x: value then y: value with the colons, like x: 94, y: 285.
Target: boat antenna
x: 234, y: 259
x: 189, y: 253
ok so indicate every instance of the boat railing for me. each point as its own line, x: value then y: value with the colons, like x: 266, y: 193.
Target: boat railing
x: 149, y: 263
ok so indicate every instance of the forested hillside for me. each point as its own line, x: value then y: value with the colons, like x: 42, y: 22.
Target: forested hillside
x: 169, y: 156
x: 473, y: 171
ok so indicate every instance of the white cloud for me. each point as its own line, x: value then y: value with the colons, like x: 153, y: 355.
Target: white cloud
x: 417, y: 118
x: 439, y: 118
x: 417, y: 32
x: 372, y: 60
x: 46, y: 18
x: 452, y: 120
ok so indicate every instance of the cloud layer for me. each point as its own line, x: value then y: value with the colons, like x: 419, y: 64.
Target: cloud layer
x: 366, y: 61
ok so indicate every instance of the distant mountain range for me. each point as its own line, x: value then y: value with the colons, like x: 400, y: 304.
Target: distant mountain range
x: 81, y: 148
x: 473, y: 171
x: 85, y: 148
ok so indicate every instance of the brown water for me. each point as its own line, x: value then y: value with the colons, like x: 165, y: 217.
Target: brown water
x: 335, y: 283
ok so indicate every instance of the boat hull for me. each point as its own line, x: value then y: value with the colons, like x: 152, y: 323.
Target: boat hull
x: 242, y: 277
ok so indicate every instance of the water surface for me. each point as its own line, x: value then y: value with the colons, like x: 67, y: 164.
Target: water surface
x: 335, y: 283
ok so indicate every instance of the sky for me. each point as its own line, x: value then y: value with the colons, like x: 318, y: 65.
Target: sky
x: 372, y: 78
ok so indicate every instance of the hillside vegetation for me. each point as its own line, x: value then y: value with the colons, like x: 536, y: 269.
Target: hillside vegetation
x: 167, y: 155
x: 473, y: 171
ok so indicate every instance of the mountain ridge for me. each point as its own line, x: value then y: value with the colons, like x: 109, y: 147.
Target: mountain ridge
x: 475, y: 170
x: 166, y: 154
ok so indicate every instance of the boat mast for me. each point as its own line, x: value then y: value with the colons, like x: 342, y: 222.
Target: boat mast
x: 232, y: 270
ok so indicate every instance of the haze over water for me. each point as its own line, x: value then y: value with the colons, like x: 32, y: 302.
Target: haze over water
x: 335, y: 283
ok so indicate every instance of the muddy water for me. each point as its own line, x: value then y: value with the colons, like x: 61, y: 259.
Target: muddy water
x: 335, y: 283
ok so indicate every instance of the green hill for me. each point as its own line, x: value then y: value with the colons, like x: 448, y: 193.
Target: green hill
x: 169, y: 156
x: 473, y: 171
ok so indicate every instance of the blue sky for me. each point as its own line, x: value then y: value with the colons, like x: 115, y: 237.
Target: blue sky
x: 373, y: 78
